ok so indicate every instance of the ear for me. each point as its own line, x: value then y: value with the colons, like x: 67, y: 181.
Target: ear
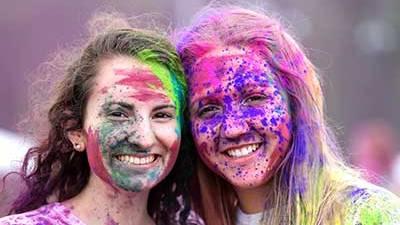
x: 78, y: 140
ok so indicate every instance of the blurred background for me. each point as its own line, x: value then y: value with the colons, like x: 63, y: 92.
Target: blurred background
x: 354, y: 44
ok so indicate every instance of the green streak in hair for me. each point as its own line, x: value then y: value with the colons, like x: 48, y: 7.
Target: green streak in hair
x: 168, y: 79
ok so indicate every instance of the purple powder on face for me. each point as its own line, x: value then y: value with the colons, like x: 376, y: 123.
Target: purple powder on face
x: 280, y: 136
x: 253, y: 112
x: 228, y: 102
x: 264, y: 122
x: 203, y: 129
x: 273, y: 121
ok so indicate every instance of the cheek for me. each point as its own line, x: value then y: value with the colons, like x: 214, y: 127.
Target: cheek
x: 169, y: 135
x: 205, y: 136
x: 172, y: 143
x: 94, y: 154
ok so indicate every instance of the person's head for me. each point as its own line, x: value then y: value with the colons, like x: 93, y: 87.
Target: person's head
x: 255, y: 102
x: 117, y: 115
x: 131, y: 90
x: 252, y: 93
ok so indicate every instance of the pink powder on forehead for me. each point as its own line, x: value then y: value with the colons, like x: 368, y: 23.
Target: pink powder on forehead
x: 138, y: 78
x: 221, y: 65
x: 145, y: 96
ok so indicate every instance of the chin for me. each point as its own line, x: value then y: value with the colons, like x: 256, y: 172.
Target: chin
x: 249, y: 183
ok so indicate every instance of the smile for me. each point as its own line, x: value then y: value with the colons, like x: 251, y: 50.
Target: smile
x: 137, y: 160
x: 243, y: 150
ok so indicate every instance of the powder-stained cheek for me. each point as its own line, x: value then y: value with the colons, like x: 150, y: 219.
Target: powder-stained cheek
x: 173, y: 155
x: 94, y: 154
x: 205, y: 134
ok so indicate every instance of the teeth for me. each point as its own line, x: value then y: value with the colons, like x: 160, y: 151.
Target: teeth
x: 136, y: 160
x: 243, y: 151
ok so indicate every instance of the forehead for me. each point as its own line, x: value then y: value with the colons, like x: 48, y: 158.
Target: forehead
x: 112, y: 70
x: 231, y: 66
x: 122, y: 77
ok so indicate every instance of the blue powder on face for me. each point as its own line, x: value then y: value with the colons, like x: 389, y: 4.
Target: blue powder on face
x: 153, y: 175
x: 278, y: 110
x: 280, y: 137
x: 228, y: 102
x: 203, y: 129
x: 253, y: 112
x: 264, y: 122
x: 273, y: 121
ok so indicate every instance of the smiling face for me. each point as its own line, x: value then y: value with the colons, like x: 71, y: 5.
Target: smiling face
x: 240, y: 116
x: 131, y: 123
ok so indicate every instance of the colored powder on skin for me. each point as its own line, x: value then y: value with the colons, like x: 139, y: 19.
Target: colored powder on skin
x: 154, y: 175
x: 236, y: 83
x: 123, y: 180
x: 264, y: 122
x: 147, y: 95
x: 94, y: 155
x: 121, y: 177
x: 137, y: 78
x: 281, y: 138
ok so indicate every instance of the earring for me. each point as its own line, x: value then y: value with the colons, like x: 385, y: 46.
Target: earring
x: 77, y: 147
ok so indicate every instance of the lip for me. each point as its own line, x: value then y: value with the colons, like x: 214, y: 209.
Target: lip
x: 137, y: 166
x: 242, y: 159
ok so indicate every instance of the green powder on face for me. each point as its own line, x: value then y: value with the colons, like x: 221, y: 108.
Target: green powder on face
x: 105, y: 129
x: 168, y: 79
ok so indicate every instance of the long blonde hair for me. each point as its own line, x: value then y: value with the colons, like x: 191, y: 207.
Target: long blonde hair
x: 311, y: 182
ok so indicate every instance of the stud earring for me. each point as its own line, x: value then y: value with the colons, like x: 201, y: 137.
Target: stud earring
x: 77, y: 147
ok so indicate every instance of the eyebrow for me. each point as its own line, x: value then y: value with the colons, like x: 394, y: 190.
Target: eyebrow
x: 124, y: 105
x: 164, y: 106
x: 198, y: 100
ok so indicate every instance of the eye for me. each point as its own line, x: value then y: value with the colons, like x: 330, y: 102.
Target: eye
x: 254, y: 99
x: 208, y: 111
x: 163, y: 116
x: 117, y: 115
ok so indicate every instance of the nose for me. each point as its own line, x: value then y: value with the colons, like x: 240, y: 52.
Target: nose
x: 234, y: 126
x: 142, y: 135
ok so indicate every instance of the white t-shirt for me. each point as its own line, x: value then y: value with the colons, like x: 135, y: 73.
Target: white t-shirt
x: 248, y: 219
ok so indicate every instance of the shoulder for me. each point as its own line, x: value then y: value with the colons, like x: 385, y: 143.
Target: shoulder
x: 369, y: 204
x: 54, y: 213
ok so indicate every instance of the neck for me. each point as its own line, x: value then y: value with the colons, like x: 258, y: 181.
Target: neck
x: 255, y: 199
x: 101, y: 204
